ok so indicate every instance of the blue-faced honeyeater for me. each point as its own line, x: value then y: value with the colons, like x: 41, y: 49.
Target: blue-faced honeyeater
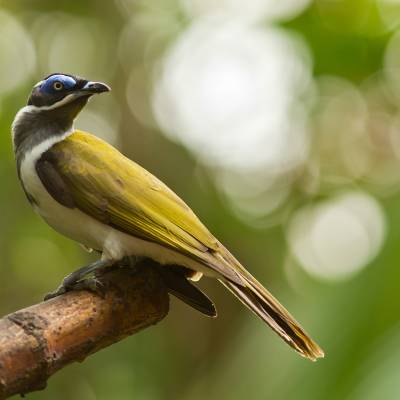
x: 87, y: 190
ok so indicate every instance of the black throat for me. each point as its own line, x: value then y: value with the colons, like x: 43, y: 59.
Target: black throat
x: 34, y: 125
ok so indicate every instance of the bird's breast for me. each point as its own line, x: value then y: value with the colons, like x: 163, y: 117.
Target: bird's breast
x: 71, y: 222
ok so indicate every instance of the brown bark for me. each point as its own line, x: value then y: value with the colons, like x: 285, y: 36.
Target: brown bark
x: 39, y: 340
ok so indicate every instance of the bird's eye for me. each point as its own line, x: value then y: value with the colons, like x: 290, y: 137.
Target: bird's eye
x: 57, y: 85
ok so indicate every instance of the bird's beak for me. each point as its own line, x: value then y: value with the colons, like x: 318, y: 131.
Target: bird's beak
x: 94, y: 88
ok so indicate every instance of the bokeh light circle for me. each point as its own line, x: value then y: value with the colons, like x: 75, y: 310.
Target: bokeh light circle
x: 246, y: 10
x: 73, y: 48
x: 96, y: 122
x: 228, y: 92
x: 18, y: 56
x: 336, y: 238
x: 72, y: 44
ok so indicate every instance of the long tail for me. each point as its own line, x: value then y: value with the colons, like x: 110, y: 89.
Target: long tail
x: 254, y: 296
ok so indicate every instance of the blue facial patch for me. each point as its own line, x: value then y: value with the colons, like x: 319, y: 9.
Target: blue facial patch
x: 57, y: 83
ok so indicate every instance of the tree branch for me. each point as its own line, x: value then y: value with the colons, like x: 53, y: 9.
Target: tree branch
x: 38, y: 341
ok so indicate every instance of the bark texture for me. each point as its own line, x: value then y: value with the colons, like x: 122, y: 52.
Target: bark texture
x: 38, y: 341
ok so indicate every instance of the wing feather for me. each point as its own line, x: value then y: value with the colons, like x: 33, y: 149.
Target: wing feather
x: 118, y: 192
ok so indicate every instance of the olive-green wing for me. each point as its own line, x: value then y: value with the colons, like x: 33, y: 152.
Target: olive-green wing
x: 113, y: 189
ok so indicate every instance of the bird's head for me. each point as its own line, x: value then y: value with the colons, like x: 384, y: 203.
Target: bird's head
x: 52, y: 107
x: 64, y: 93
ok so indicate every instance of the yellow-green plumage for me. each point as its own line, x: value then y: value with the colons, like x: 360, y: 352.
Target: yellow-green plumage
x: 118, y: 192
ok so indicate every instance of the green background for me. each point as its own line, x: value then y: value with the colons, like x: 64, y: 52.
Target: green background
x: 187, y: 356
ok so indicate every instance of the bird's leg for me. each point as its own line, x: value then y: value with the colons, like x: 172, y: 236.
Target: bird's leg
x: 94, y: 284
x: 76, y: 280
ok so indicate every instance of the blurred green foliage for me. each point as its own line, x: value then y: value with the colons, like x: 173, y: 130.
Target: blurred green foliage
x: 356, y: 320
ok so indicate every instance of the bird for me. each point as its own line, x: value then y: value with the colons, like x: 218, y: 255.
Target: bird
x: 88, y: 191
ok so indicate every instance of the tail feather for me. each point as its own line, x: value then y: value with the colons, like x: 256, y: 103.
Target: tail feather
x: 176, y: 281
x: 264, y: 305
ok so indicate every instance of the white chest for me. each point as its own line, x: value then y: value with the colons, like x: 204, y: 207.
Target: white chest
x: 71, y: 222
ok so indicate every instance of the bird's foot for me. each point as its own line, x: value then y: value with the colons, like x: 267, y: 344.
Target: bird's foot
x: 55, y: 293
x: 77, y: 280
x: 93, y: 285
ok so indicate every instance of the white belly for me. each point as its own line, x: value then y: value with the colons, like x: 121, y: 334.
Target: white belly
x: 84, y: 229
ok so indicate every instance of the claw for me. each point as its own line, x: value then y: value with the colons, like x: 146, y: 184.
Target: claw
x: 58, y: 292
x: 93, y: 285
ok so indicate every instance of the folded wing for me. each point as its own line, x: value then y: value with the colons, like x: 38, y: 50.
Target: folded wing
x: 118, y: 192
